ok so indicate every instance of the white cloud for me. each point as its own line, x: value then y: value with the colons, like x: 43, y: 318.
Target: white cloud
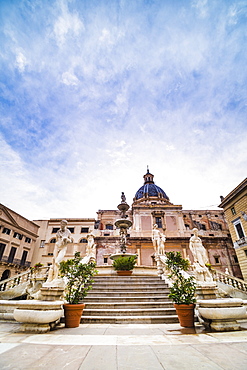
x: 21, y: 61
x: 67, y: 23
x: 69, y: 78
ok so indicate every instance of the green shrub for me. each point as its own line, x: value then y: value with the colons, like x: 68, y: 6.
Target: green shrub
x: 183, y: 288
x: 79, y: 278
x: 124, y: 263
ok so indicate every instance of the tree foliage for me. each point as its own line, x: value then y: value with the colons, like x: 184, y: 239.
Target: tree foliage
x: 183, y: 288
x: 79, y: 278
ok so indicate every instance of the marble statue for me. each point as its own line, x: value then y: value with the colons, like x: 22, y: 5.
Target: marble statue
x: 63, y: 238
x: 158, y: 240
x: 200, y: 258
x: 161, y: 247
x: 91, y: 246
x: 123, y: 198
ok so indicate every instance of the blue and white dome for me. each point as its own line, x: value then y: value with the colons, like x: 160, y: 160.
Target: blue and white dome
x: 149, y: 189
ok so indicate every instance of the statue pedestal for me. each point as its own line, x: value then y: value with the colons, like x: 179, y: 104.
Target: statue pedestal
x: 52, y: 290
x: 206, y: 290
x: 160, y: 259
x: 51, y: 294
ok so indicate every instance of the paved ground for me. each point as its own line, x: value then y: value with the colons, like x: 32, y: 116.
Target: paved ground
x: 123, y: 347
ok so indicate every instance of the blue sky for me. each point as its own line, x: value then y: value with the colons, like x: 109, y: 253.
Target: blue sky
x: 92, y: 92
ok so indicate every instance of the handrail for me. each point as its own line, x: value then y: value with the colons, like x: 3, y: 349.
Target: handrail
x: 230, y: 280
x: 24, y: 277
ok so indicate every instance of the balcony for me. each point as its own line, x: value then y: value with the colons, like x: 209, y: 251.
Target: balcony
x: 241, y: 242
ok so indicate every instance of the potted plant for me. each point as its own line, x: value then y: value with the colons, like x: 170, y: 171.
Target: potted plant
x: 124, y: 265
x: 79, y: 278
x: 182, y: 291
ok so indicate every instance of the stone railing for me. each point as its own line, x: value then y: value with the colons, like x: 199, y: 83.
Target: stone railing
x: 229, y: 280
x: 22, y: 278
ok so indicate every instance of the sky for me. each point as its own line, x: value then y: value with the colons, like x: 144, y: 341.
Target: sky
x: 94, y: 91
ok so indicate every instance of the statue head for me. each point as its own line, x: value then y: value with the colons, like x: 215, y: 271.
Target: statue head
x: 195, y: 231
x: 63, y: 224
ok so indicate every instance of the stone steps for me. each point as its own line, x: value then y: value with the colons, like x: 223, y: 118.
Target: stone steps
x: 127, y: 305
x: 151, y: 298
x: 133, y: 299
x: 169, y: 319
x: 129, y: 312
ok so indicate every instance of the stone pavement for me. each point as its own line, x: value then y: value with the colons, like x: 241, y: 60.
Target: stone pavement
x: 122, y: 347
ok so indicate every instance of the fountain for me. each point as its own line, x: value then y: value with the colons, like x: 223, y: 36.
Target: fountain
x: 123, y: 224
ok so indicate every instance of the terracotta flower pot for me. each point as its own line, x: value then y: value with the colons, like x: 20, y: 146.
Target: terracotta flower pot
x: 185, y: 314
x: 124, y: 273
x: 72, y: 314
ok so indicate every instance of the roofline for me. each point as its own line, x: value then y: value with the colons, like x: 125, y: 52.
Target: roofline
x: 233, y: 193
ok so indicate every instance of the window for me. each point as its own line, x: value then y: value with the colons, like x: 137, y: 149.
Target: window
x: 211, y: 234
x: 50, y: 254
x: 238, y: 228
x: 55, y: 230
x: 233, y: 211
x: 28, y: 240
x: 109, y: 227
x: 96, y: 225
x: 239, y: 231
x: 187, y: 226
x: 105, y: 259
x: 200, y: 215
x: 71, y: 229
x: 11, y: 255
x: 83, y: 240
x: 2, y: 248
x: 106, y: 234
x: 6, y: 231
x: 215, y: 225
x: 199, y: 226
x: 158, y: 222
x: 42, y: 244
x: 53, y: 240
x: 153, y: 203
x: 216, y: 216
x: 18, y: 236
x: 84, y: 230
x: 235, y: 259
x: 245, y: 251
x: 23, y: 258
x: 217, y: 259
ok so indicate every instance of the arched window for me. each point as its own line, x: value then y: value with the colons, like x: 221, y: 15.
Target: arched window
x: 83, y: 240
x: 5, y: 275
x: 53, y: 240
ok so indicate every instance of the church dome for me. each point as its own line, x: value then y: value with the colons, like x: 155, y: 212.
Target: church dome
x: 149, y: 189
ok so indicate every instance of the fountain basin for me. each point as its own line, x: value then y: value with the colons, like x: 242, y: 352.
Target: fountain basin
x: 123, y: 223
x: 222, y: 314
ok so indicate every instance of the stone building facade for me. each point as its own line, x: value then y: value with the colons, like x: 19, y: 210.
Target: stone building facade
x: 152, y: 206
x: 17, y: 242
x: 235, y: 209
x: 79, y: 228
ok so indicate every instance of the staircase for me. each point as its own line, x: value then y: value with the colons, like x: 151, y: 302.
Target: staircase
x: 133, y: 299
